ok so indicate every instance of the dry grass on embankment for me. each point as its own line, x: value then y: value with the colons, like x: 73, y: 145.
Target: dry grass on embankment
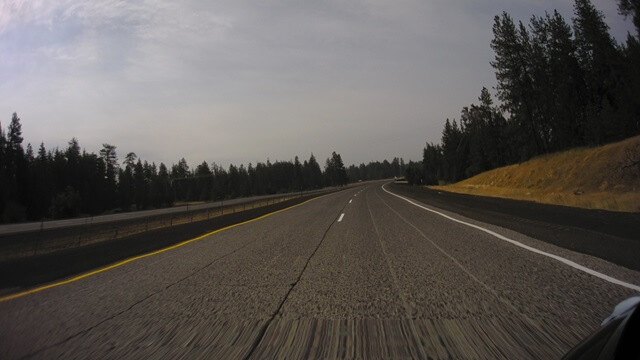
x: 592, y: 178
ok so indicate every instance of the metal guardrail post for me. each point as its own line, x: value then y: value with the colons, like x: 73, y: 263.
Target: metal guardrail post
x: 84, y: 231
x: 35, y: 247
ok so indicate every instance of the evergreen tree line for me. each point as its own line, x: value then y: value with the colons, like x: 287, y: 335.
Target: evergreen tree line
x: 57, y: 184
x: 559, y: 85
x: 377, y: 170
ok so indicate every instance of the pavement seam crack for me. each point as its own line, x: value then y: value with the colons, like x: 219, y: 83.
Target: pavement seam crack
x: 221, y: 257
x: 265, y: 327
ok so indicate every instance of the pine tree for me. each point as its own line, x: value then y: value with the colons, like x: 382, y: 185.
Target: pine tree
x: 515, y: 85
x: 110, y: 159
x: 631, y: 56
x: 72, y: 166
x: 484, y: 128
x: 315, y: 178
x: 16, y: 179
x: 631, y: 8
x: 431, y: 165
x: 126, y: 184
x: 14, y: 135
x: 234, y: 181
x: 297, y: 174
x: 140, y: 191
x: 567, y: 88
x: 162, y: 188
x: 4, y: 180
x: 335, y: 173
x: 601, y: 62
x: 454, y: 151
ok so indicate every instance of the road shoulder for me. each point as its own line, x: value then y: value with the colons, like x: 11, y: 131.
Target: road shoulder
x: 608, y: 235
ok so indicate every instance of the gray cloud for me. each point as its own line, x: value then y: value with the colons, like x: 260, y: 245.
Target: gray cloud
x: 241, y: 81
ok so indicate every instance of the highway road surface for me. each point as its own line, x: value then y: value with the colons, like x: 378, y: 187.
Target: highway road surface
x: 361, y: 273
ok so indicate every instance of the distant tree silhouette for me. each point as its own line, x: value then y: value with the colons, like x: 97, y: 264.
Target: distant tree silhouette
x: 110, y: 159
x: 312, y: 173
x: 15, y: 173
x: 334, y: 172
x: 432, y: 166
x: 377, y: 170
x: 65, y: 183
x: 126, y: 184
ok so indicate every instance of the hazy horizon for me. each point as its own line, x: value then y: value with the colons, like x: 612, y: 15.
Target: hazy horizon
x: 240, y: 82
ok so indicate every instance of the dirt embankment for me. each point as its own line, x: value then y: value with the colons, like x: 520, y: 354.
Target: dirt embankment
x: 605, y: 177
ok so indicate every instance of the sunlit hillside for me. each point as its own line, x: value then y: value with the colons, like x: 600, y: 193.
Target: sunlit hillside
x: 605, y: 177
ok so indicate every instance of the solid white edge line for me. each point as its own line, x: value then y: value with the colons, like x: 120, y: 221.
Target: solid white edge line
x: 527, y: 247
x: 341, y: 216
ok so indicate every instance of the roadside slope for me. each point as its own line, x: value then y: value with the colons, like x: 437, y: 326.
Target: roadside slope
x: 593, y: 178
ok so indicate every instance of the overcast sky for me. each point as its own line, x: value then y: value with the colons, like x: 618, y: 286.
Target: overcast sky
x: 241, y: 81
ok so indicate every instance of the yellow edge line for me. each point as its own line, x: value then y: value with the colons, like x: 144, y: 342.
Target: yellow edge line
x: 124, y: 262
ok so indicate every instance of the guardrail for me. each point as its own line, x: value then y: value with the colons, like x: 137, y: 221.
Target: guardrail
x: 54, y: 224
x: 44, y: 240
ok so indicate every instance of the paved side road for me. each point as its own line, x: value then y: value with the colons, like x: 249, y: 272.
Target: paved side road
x: 356, y: 274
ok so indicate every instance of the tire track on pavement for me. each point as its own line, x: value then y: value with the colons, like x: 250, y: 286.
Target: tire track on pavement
x: 408, y: 311
x: 534, y: 324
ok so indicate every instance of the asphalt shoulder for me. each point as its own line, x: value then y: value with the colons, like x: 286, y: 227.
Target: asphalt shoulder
x: 27, y: 272
x: 613, y: 236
